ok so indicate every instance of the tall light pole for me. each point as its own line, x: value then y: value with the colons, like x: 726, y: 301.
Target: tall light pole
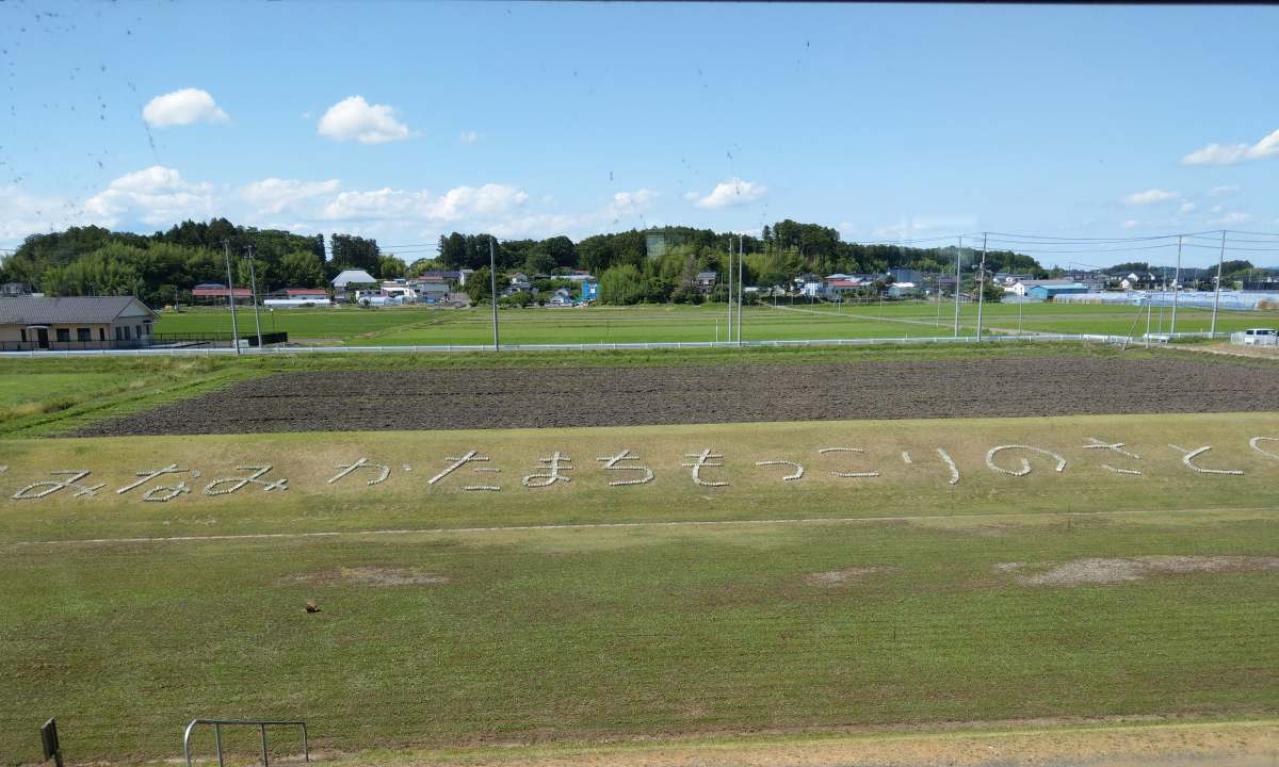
x: 1216, y: 297
x: 981, y: 284
x: 230, y: 297
x: 253, y: 282
x: 497, y: 346
x: 741, y: 256
x: 959, y: 256
x: 1176, y: 292
x: 728, y: 274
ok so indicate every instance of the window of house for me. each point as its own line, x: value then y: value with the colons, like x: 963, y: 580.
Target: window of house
x: 64, y: 335
x: 24, y: 335
x: 102, y: 334
x: 119, y: 333
x: 83, y: 334
x: 128, y: 333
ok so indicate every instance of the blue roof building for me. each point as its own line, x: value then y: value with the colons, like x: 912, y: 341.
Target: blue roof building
x: 1048, y: 292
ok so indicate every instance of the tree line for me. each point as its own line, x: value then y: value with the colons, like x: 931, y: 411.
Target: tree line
x: 653, y: 265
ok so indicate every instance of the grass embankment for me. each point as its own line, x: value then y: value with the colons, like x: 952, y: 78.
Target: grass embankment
x: 40, y: 397
x: 996, y: 598
x: 787, y: 321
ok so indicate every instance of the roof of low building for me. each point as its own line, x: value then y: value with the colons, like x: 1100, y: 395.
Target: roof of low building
x: 353, y: 277
x: 40, y: 310
x: 205, y: 291
x: 707, y: 275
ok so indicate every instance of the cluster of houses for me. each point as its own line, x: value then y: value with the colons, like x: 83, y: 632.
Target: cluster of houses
x: 433, y: 288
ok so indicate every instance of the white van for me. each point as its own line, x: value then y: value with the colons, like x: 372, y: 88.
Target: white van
x: 1257, y: 337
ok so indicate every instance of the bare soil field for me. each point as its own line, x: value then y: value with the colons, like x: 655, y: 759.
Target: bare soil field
x: 603, y: 396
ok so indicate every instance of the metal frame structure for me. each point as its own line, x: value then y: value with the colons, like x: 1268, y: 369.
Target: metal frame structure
x: 261, y: 724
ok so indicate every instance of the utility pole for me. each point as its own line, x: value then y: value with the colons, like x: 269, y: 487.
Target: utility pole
x: 981, y: 284
x: 230, y: 297
x: 1176, y: 292
x: 959, y: 256
x: 497, y: 346
x: 741, y: 286
x: 1216, y: 297
x: 728, y: 274
x: 253, y: 282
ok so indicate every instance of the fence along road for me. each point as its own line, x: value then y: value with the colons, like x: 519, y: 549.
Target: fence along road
x: 603, y: 347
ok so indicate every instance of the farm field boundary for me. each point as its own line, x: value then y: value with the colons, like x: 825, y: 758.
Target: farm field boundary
x: 602, y: 396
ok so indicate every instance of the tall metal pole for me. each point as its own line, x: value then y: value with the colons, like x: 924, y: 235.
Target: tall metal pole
x: 1216, y: 297
x: 728, y: 274
x: 1176, y: 292
x: 230, y: 296
x: 497, y: 346
x: 253, y: 282
x: 959, y: 256
x: 981, y: 284
x: 741, y: 285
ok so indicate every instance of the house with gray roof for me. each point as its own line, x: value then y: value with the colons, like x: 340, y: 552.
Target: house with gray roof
x: 74, y: 322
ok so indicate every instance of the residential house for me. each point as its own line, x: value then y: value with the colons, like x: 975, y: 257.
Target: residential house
x: 350, y: 281
x: 706, y: 281
x: 74, y: 322
x: 215, y: 293
x: 902, y: 290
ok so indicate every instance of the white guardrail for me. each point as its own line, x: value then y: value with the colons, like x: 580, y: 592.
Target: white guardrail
x: 637, y: 346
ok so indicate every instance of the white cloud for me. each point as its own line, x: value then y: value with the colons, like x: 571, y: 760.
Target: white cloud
x: 1222, y: 191
x: 355, y: 119
x: 154, y: 196
x: 468, y: 137
x: 183, y: 107
x: 377, y: 204
x: 470, y: 202
x: 729, y: 193
x: 924, y: 224
x: 1150, y: 196
x: 1131, y: 223
x: 1229, y: 154
x: 1231, y: 218
x: 1187, y: 207
x: 25, y: 214
x: 631, y: 203
x: 275, y: 195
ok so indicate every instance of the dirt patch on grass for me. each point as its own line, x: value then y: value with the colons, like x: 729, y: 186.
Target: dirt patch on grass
x: 840, y: 577
x: 372, y: 576
x: 620, y: 396
x: 1100, y: 571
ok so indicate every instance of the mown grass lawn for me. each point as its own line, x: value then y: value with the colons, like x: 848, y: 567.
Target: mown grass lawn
x: 510, y: 633
x: 787, y: 321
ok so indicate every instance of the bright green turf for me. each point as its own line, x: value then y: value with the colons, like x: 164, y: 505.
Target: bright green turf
x: 425, y: 326
x: 589, y: 633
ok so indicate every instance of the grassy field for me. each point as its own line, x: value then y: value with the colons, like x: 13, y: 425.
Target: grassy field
x: 452, y: 618
x: 425, y: 326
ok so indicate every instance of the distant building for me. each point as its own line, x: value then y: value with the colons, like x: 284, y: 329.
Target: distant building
x: 14, y: 289
x: 706, y: 281
x: 216, y: 293
x: 1049, y: 292
x: 352, y: 279
x: 590, y: 290
x: 1024, y: 287
x: 902, y: 290
x: 76, y: 322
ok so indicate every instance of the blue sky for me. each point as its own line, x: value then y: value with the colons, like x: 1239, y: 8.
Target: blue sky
x: 406, y: 120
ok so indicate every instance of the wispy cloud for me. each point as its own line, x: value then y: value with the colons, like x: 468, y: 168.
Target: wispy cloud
x: 1229, y: 154
x: 1150, y: 196
x: 468, y: 137
x: 729, y: 193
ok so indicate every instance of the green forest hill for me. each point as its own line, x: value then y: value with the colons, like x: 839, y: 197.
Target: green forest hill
x: 639, y: 265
